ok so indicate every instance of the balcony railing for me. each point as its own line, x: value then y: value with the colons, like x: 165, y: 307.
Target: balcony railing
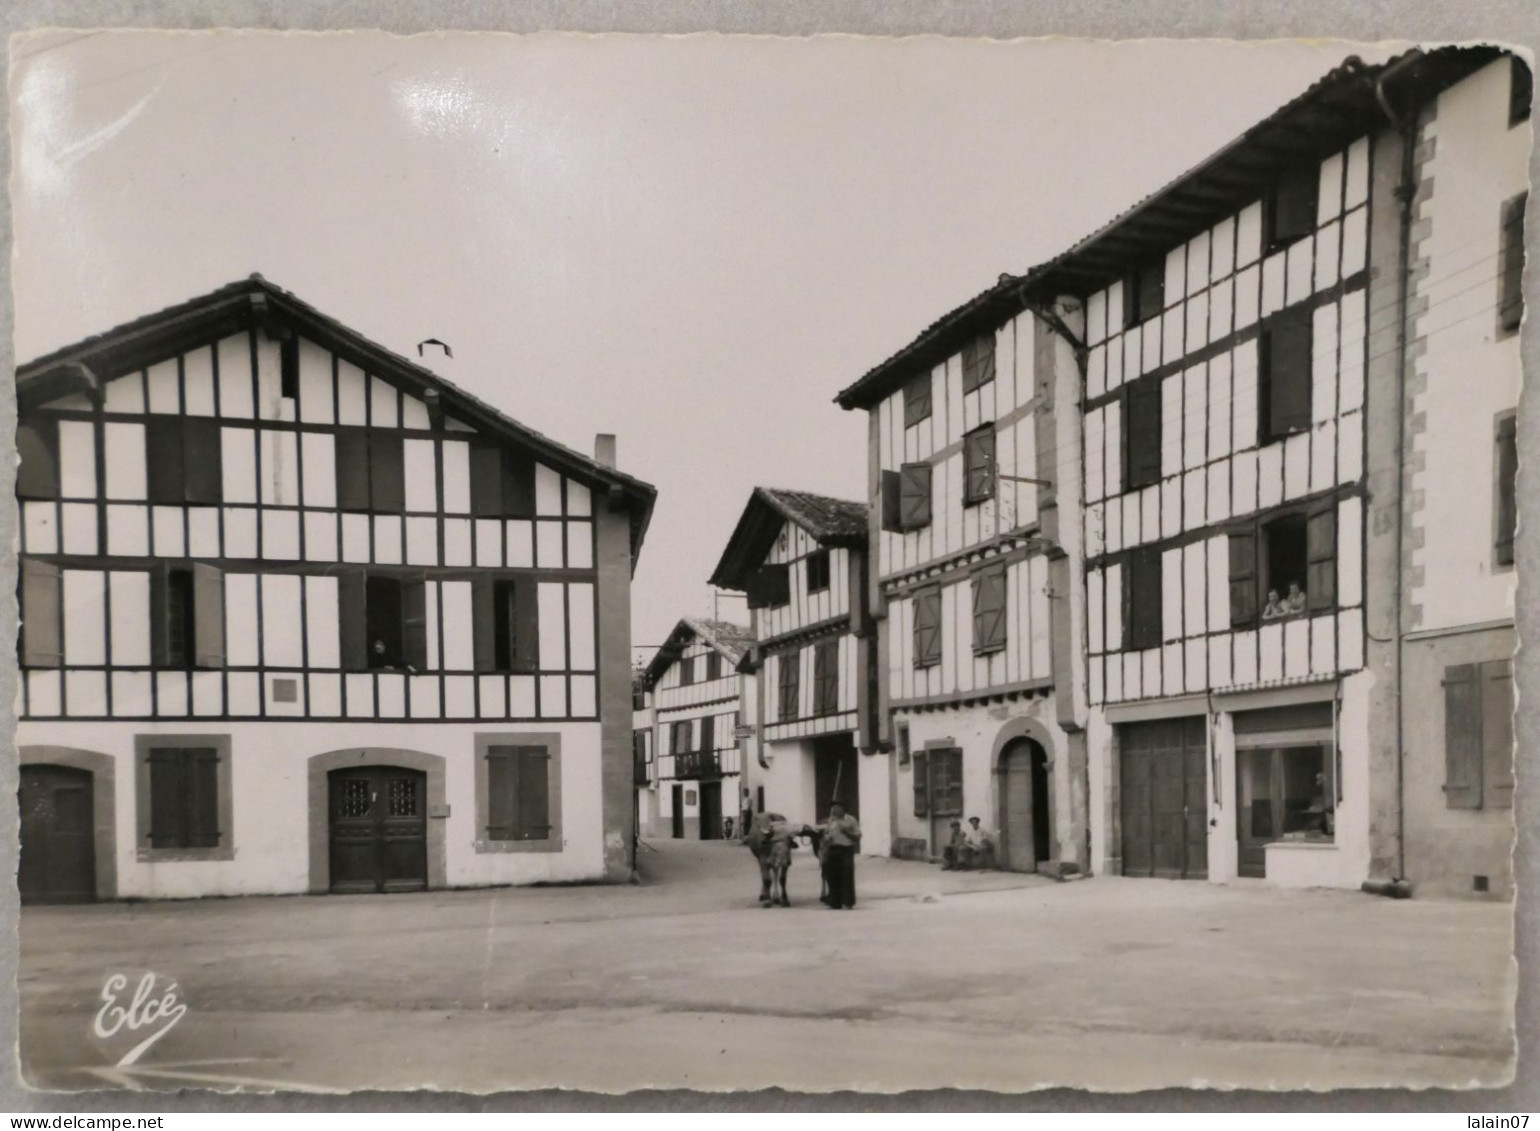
x: 697, y: 764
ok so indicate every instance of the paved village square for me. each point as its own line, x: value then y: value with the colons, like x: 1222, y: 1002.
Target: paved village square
x: 1156, y: 680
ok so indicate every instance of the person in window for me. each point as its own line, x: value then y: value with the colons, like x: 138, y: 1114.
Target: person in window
x: 1275, y: 606
x: 1295, y: 602
x: 841, y: 838
x: 381, y: 657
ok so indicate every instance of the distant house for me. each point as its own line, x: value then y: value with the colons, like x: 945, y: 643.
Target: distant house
x: 801, y: 558
x: 695, y: 783
x: 301, y: 616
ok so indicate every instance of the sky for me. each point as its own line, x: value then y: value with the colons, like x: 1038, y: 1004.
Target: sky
x: 691, y: 242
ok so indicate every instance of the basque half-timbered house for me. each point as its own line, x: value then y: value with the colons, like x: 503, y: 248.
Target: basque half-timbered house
x: 298, y: 615
x: 698, y: 783
x: 975, y: 533
x: 801, y: 559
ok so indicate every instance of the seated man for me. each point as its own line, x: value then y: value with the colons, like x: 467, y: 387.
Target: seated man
x: 978, y: 846
x: 951, y: 854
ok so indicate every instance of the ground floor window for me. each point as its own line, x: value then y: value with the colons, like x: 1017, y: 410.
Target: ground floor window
x: 183, y: 803
x: 518, y: 792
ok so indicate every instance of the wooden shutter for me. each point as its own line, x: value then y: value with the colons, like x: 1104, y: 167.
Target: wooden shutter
x: 790, y: 686
x: 1243, y: 577
x: 1497, y: 734
x: 165, y: 477
x: 1510, y: 306
x: 1507, y: 489
x: 1462, y: 736
x: 979, y: 465
x: 1152, y: 290
x: 946, y: 783
x: 534, y: 793
x: 353, y: 618
x: 891, y: 510
x: 208, y: 616
x: 917, y: 399
x: 989, y: 610
x: 914, y: 496
x: 352, y: 470
x: 1143, y: 615
x: 1287, y: 362
x: 168, y: 799
x: 160, y: 615
x: 1141, y: 434
x: 708, y: 738
x: 921, y: 770
x: 826, y: 677
x: 518, y: 483
x: 978, y: 362
x: 502, y: 776
x: 202, y: 460
x: 526, y: 626
x: 927, y: 628
x: 1321, y: 555
x: 486, y: 480
x: 1293, y: 209
x: 200, y: 769
x: 485, y: 617
x: 387, y: 476
x: 713, y: 665
x: 37, y: 443
x: 414, y: 621
x: 41, y: 609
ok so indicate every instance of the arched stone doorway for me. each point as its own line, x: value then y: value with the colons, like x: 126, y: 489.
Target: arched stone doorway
x: 1026, y: 834
x: 388, y: 805
x: 69, y: 833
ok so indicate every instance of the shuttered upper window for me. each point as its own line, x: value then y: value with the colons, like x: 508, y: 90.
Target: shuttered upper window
x: 917, y: 399
x: 185, y: 460
x: 770, y: 587
x: 1284, y: 567
x: 978, y: 465
x: 41, y: 613
x: 978, y: 362
x: 37, y: 444
x: 370, y: 472
x: 818, y: 571
x: 518, y: 793
x: 906, y: 498
x: 1507, y: 489
x: 789, y: 686
x: 1144, y: 293
x: 927, y: 628
x: 989, y: 610
x: 1142, y: 598
x: 1510, y: 279
x: 826, y: 677
x: 1283, y: 380
x: 1141, y: 435
x: 713, y: 665
x: 502, y: 482
x: 1478, y: 735
x: 1291, y: 206
x: 506, y: 630
x: 384, y: 623
x: 187, y: 616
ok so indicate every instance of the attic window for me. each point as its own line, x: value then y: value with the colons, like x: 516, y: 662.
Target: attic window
x: 1144, y: 293
x: 288, y: 369
x: 1291, y: 206
x: 818, y: 571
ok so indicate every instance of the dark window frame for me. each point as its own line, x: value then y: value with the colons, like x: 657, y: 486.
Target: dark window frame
x: 214, y: 838
x: 184, y: 461
x: 1144, y: 293
x: 1141, y: 403
x: 1143, y: 589
x: 789, y: 686
x: 917, y: 399
x: 1505, y: 511
x: 978, y: 362
x: 1510, y: 275
x: 1291, y: 207
x: 826, y: 677
x: 1285, y: 369
x: 37, y: 444
x: 980, y: 471
x: 818, y: 571
x: 1251, y: 562
x: 991, y: 629
x: 927, y: 650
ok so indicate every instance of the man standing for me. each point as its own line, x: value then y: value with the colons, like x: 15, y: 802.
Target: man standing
x: 841, y: 838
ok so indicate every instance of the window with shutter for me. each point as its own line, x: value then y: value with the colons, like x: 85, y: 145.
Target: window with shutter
x: 1284, y: 379
x: 927, y: 628
x: 1507, y: 489
x: 414, y: 622
x: 387, y: 475
x: 713, y: 665
x: 1243, y: 577
x: 917, y: 399
x: 914, y: 496
x: 708, y: 734
x: 946, y: 783
x: 352, y: 454
x: 818, y: 571
x: 1141, y: 433
x: 208, y: 616
x: 202, y: 461
x: 790, y: 686
x: 892, y: 520
x: 518, y: 793
x: 826, y: 677
x: 1497, y: 734
x: 777, y: 585
x: 353, y: 620
x: 921, y: 771
x: 486, y: 480
x: 979, y: 465
x: 1142, y: 598
x: 1462, y: 736
x: 1144, y: 293
x: 978, y: 362
x: 165, y: 479
x: 1510, y: 300
x: 1321, y: 553
x: 184, y: 791
x: 41, y: 612
x: 37, y: 445
x: 989, y: 624
x: 384, y: 615
x: 1291, y: 206
x: 174, y: 618
x: 168, y: 795
x: 679, y: 738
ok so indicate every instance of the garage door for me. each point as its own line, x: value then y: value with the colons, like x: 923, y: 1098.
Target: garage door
x: 1164, y: 789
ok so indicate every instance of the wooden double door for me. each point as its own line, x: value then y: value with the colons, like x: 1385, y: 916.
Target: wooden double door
x: 58, y: 835
x: 379, y: 829
x: 1164, y: 798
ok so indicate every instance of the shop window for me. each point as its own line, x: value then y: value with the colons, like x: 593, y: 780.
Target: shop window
x: 1286, y: 794
x: 1510, y: 278
x: 917, y: 399
x: 1283, y: 393
x: 818, y: 571
x: 1144, y: 293
x: 927, y: 628
x: 185, y: 460
x: 978, y: 362
x: 978, y: 466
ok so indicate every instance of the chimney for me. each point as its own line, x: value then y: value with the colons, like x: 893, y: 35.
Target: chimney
x: 604, y: 449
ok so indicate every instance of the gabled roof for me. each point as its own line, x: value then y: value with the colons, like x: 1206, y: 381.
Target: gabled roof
x: 731, y: 640
x: 832, y: 522
x: 1334, y: 111
x: 254, y: 302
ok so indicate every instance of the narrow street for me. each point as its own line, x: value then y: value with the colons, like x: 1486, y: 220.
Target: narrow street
x: 976, y: 980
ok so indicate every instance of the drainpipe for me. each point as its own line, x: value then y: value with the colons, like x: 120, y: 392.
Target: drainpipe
x: 1406, y: 191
